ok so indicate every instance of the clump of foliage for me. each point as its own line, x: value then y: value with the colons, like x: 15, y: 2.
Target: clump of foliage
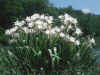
x: 38, y: 44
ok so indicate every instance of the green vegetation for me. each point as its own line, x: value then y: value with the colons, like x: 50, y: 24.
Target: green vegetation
x: 97, y: 42
x: 63, y: 48
x: 26, y: 55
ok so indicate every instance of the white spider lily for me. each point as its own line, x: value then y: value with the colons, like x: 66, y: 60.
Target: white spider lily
x: 10, y: 31
x: 31, y: 24
x: 78, y: 54
x: 74, y: 21
x: 19, y: 23
x: 69, y: 27
x: 72, y: 39
x: 55, y: 49
x: 47, y: 32
x: 35, y: 16
x: 7, y: 32
x: 52, y: 31
x: 92, y: 41
x: 78, y: 31
x: 67, y: 16
x: 39, y: 22
x: 77, y: 42
x: 57, y: 29
x: 28, y: 19
x: 25, y: 29
x: 49, y: 21
x: 62, y: 27
x: 40, y: 27
x: 51, y: 18
x: 60, y: 17
x: 46, y: 18
x: 62, y: 34
x: 42, y: 16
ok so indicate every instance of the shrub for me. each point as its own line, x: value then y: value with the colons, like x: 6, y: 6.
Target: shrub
x: 35, y: 43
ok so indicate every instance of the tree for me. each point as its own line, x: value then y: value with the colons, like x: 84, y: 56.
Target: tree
x: 10, y: 10
x: 35, y: 6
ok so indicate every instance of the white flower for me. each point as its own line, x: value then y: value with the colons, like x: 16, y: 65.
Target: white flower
x: 68, y: 19
x: 51, y: 18
x: 35, y: 16
x: 72, y: 39
x: 22, y: 22
x: 66, y: 22
x: 62, y: 34
x: 67, y: 16
x: 67, y: 37
x: 19, y: 23
x: 92, y: 41
x: 78, y: 31
x: 10, y: 31
x: 45, y: 24
x: 60, y: 17
x: 42, y: 16
x: 52, y: 31
x: 39, y: 22
x: 26, y: 30
x: 57, y: 29
x: 49, y: 21
x: 41, y: 68
x: 28, y: 19
x: 40, y: 27
x: 77, y: 42
x: 74, y: 21
x: 69, y: 27
x: 62, y: 27
x: 47, y: 31
x: 78, y: 54
x: 30, y: 24
x: 46, y: 18
x: 31, y: 30
x: 7, y: 32
x: 55, y: 49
